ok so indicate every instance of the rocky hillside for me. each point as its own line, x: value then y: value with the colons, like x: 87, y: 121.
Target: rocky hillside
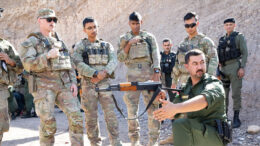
x: 163, y: 18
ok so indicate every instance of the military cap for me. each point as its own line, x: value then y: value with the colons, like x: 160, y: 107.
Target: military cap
x: 232, y: 20
x: 46, y: 13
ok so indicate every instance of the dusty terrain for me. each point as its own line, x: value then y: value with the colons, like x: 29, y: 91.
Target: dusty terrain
x: 164, y: 19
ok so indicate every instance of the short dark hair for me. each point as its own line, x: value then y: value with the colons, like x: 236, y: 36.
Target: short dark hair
x: 88, y: 20
x: 135, y: 16
x: 194, y: 52
x: 167, y: 40
x: 190, y: 15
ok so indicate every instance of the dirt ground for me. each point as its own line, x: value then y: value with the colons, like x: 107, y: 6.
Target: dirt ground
x: 24, y: 132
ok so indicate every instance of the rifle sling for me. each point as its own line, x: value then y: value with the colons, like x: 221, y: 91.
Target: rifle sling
x: 158, y: 90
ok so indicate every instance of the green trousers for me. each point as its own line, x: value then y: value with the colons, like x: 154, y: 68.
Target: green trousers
x: 190, y: 132
x: 12, y: 104
x: 231, y: 78
x: 28, y: 98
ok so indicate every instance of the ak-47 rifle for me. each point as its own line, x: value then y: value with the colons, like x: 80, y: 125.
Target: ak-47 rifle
x: 134, y: 86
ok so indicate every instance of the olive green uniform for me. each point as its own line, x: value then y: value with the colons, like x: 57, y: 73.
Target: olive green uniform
x: 199, y: 128
x: 230, y: 69
x: 6, y: 78
x: 89, y: 58
x: 141, y: 60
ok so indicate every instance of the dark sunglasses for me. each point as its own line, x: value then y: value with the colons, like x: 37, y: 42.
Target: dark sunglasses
x: 190, y: 25
x: 52, y: 19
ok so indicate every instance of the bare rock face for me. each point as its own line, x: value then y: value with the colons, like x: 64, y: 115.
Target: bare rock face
x: 163, y: 18
x: 253, y: 129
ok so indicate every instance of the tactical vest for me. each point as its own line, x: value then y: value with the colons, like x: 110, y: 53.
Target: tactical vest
x: 140, y: 49
x: 167, y: 62
x: 95, y: 53
x: 227, y: 49
x: 183, y: 49
x: 62, y: 62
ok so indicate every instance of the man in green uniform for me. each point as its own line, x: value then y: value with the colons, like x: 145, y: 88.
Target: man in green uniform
x: 12, y: 104
x: 10, y: 66
x: 139, y: 51
x: 167, y: 63
x: 232, y: 52
x: 28, y: 98
x: 96, y: 62
x: 203, y: 99
x: 194, y: 40
x: 52, y: 80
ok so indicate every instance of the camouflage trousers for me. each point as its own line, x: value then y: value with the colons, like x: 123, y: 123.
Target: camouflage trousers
x: 4, y: 116
x: 89, y: 102
x: 140, y: 72
x: 44, y: 106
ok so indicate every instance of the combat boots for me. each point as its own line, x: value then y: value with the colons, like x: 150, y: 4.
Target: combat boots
x: 27, y: 115
x: 236, y: 121
x: 168, y: 140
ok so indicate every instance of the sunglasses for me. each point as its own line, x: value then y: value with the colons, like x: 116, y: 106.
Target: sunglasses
x: 52, y: 19
x: 190, y: 25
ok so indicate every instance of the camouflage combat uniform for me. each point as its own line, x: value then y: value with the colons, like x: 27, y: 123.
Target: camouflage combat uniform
x: 7, y: 77
x: 50, y: 84
x: 141, y: 64
x: 89, y: 58
x: 201, y: 42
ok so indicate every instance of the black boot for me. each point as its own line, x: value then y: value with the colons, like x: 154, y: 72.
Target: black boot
x: 13, y: 117
x: 28, y: 115
x: 236, y: 121
x: 34, y: 115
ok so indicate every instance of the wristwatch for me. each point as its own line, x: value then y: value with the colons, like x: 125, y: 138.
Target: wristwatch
x: 95, y: 74
x: 156, y: 71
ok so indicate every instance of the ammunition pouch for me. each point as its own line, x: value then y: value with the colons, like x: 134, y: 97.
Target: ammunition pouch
x: 224, y: 130
x: 139, y: 50
x: 96, y: 55
x: 62, y: 62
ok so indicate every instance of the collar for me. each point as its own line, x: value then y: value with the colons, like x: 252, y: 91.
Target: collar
x: 196, y: 36
x: 189, y: 82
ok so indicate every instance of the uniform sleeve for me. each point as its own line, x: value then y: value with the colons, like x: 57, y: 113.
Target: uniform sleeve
x: 211, y: 55
x: 18, y: 68
x: 72, y: 74
x: 112, y: 63
x: 243, y: 50
x: 214, y: 93
x: 155, y: 52
x: 82, y: 67
x: 31, y: 61
x: 121, y: 55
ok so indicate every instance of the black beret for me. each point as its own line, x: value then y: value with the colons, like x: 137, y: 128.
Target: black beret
x: 232, y: 20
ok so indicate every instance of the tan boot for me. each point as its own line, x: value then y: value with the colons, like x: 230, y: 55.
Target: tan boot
x: 168, y: 140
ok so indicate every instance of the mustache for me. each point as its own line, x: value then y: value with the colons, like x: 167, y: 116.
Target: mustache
x: 199, y: 70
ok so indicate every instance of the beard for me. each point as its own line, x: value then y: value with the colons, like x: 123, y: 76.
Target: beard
x: 199, y: 73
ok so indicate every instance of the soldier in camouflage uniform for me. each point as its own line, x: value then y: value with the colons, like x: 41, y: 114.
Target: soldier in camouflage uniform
x: 194, y: 40
x: 96, y: 62
x: 139, y: 51
x: 10, y: 66
x: 52, y: 80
